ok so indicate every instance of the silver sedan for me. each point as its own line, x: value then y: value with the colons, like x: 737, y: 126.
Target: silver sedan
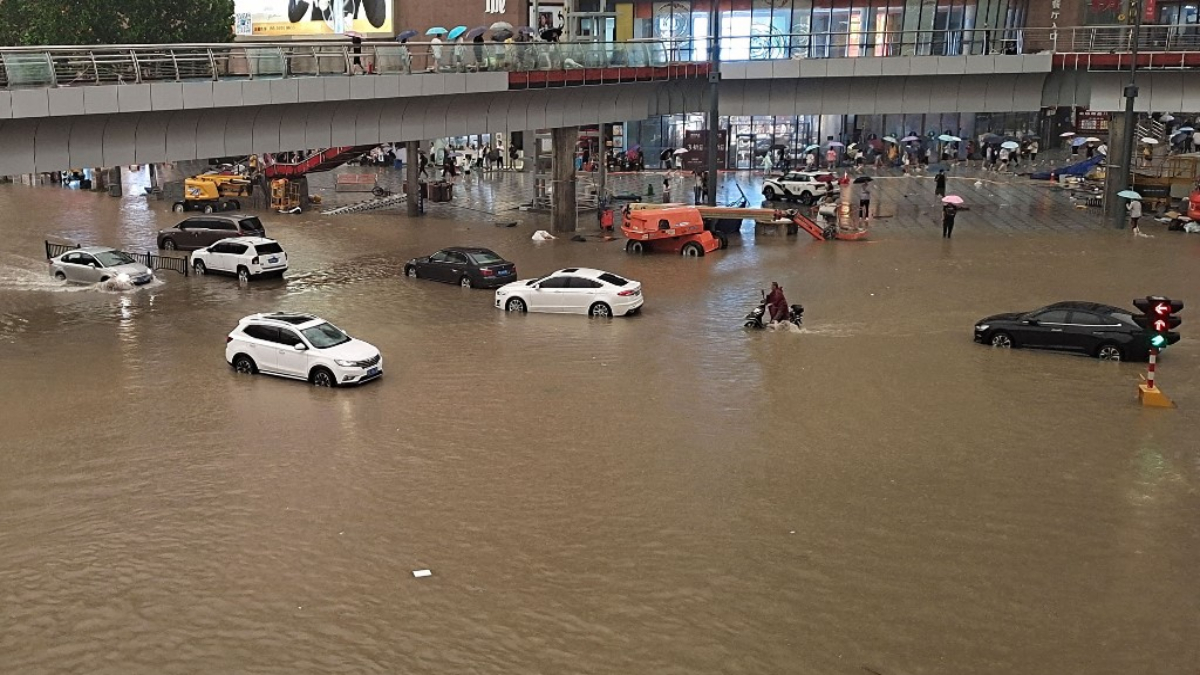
x: 97, y: 264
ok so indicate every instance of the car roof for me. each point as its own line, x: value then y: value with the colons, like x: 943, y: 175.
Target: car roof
x: 249, y: 240
x: 294, y: 319
x: 228, y: 216
x: 581, y: 272
x: 468, y: 249
x: 1086, y: 306
x: 93, y: 249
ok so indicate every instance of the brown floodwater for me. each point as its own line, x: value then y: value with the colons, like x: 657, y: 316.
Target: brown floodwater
x: 664, y: 494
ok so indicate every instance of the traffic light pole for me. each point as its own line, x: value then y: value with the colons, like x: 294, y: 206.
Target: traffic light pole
x: 1120, y: 180
x: 1149, y: 394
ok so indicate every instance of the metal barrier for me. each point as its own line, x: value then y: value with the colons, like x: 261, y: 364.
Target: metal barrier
x: 156, y: 261
x: 124, y: 64
x: 54, y: 250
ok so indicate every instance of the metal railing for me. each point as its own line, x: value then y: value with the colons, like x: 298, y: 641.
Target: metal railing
x: 124, y: 64
x: 155, y: 261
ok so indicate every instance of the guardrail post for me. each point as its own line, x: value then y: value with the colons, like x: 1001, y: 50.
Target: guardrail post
x: 137, y: 67
x: 212, y: 63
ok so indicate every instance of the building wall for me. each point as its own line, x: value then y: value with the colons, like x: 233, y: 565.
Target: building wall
x: 423, y: 14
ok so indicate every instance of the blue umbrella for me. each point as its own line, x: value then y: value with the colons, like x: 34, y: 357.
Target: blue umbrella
x: 476, y: 32
x: 1129, y: 194
x: 812, y: 147
x: 1183, y: 129
x: 406, y: 35
x: 1079, y: 141
x: 436, y: 30
x: 456, y: 31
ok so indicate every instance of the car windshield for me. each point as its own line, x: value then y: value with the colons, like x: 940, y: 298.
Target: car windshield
x: 251, y: 224
x: 613, y: 279
x: 114, y: 258
x: 325, y: 335
x: 486, y: 258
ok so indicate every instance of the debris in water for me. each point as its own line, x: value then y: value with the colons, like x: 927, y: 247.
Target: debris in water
x: 422, y: 573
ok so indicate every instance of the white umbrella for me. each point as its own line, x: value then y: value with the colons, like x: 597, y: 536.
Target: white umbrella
x: 680, y: 151
x: 1103, y: 149
x: 1150, y: 141
x: 1092, y: 139
x: 1166, y: 118
x: 1010, y: 145
x: 501, y: 25
x: 890, y: 139
x: 1066, y: 134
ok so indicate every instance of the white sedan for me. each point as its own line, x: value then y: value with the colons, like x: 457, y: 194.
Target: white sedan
x: 575, y: 290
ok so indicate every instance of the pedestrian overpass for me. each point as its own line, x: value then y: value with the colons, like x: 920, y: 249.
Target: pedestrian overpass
x: 64, y: 107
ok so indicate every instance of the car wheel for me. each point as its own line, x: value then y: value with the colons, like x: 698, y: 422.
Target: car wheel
x: 243, y: 275
x: 769, y: 193
x: 208, y: 208
x: 1002, y: 340
x: 1109, y: 352
x: 516, y: 305
x: 179, y: 207
x: 723, y: 238
x: 244, y: 365
x: 465, y: 282
x: 321, y: 377
x: 692, y: 250
x: 199, y: 267
x: 60, y: 276
x: 235, y: 204
x: 410, y: 272
x: 806, y: 198
x: 635, y: 247
x: 600, y: 310
x: 169, y: 244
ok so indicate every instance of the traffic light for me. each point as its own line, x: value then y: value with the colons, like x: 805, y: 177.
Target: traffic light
x: 1158, y: 319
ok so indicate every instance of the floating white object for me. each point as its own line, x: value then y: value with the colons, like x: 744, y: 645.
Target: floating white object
x: 542, y: 235
x: 422, y: 573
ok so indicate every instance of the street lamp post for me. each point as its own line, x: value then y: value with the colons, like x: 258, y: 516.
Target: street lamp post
x: 1121, y: 181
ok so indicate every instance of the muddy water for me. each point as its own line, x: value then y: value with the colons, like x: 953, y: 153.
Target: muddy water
x: 660, y: 494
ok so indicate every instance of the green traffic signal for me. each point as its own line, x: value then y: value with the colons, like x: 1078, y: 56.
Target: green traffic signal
x: 1158, y: 341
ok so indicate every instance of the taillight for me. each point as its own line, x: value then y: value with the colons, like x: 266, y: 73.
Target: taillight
x: 487, y: 273
x: 627, y: 293
x: 254, y: 260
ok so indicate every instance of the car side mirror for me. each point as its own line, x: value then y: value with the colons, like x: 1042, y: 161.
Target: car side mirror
x: 93, y: 264
x: 299, y: 347
x: 1029, y: 322
x: 537, y: 287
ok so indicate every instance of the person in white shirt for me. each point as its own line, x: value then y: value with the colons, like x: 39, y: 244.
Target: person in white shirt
x: 435, y: 49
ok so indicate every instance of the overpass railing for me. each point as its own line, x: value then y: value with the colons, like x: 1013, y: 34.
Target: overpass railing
x: 120, y: 64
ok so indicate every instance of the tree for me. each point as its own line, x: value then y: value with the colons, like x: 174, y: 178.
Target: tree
x: 76, y: 22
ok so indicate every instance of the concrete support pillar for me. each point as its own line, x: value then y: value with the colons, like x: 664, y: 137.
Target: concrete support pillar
x: 114, y: 178
x: 529, y: 149
x: 1114, y: 206
x: 99, y: 178
x: 412, y: 167
x: 601, y: 156
x: 563, y: 212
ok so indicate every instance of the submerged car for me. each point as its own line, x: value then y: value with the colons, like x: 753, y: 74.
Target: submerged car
x: 97, y: 264
x: 244, y: 257
x: 201, y: 231
x: 1099, y: 330
x: 470, y: 267
x: 575, y: 290
x: 303, y: 347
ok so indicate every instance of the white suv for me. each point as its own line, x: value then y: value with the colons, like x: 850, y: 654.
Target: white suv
x: 301, y: 346
x: 803, y: 186
x: 246, y: 257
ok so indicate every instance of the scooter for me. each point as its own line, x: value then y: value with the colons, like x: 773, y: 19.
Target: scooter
x: 758, y: 318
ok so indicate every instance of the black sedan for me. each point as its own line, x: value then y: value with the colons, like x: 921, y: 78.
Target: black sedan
x: 1103, y: 331
x: 469, y: 267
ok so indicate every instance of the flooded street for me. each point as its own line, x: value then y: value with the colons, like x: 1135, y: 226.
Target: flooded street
x: 663, y: 493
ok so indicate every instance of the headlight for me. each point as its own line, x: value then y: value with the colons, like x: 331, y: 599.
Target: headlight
x: 123, y: 278
x: 344, y: 364
x: 982, y: 327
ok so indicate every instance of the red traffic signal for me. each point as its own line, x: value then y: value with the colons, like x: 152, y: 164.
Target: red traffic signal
x: 1158, y: 306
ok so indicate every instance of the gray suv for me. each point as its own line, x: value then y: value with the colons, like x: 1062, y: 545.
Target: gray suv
x: 201, y: 231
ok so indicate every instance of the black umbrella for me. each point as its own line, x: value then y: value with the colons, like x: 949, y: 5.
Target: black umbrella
x: 992, y: 138
x: 407, y: 35
x: 863, y: 179
x: 666, y: 154
x: 552, y: 34
x: 476, y: 32
x: 501, y: 35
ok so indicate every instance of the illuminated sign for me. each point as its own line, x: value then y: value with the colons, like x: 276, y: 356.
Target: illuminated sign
x: 312, y: 18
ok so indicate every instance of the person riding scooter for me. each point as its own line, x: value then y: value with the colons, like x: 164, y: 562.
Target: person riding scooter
x: 777, y: 304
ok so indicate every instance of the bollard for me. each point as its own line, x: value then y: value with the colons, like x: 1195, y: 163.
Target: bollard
x: 649, y: 189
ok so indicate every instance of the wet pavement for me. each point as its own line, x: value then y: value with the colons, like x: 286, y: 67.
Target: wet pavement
x: 665, y: 493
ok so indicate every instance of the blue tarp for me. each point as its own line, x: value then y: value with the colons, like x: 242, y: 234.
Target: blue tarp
x: 1079, y: 169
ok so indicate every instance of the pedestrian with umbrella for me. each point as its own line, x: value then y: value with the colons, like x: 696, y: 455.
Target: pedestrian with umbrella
x: 950, y: 206
x: 435, y: 47
x: 864, y: 197
x: 940, y: 183
x: 1134, y: 208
